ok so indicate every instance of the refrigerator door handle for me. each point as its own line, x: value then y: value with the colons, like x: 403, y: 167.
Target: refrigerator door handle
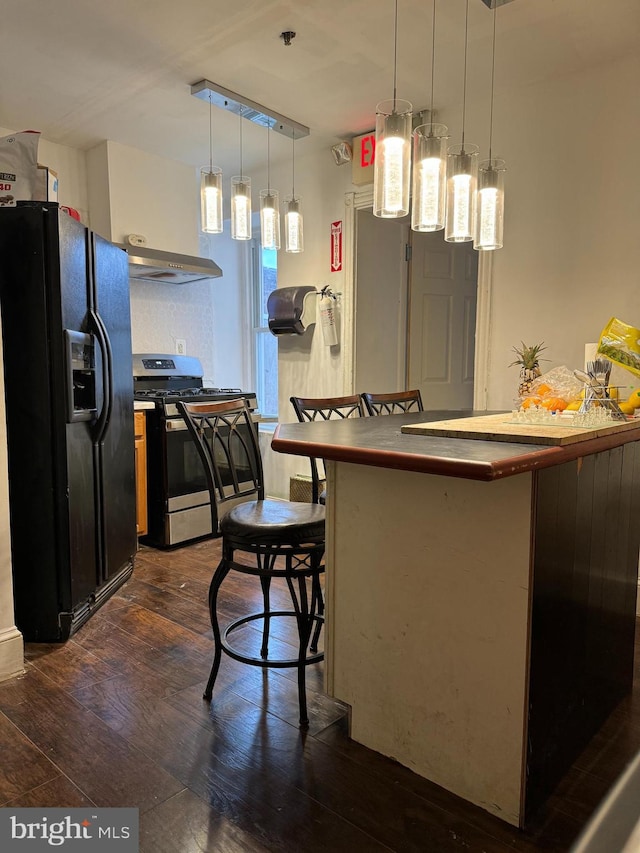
x: 107, y: 360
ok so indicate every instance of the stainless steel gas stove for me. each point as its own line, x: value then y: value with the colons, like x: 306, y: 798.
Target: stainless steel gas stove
x: 177, y: 494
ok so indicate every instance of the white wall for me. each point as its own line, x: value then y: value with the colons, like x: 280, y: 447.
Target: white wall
x: 306, y: 367
x: 231, y: 360
x: 11, y: 646
x: 132, y: 191
x: 572, y: 218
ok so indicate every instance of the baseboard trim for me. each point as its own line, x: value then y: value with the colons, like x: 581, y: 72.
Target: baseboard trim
x: 11, y: 653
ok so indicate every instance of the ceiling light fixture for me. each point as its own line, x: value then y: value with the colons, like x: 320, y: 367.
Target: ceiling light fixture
x: 211, y: 192
x: 241, y: 202
x: 293, y: 225
x: 462, y: 174
x: 269, y: 208
x: 287, y: 36
x: 392, y: 168
x: 429, y: 163
x: 490, y: 201
x: 252, y: 111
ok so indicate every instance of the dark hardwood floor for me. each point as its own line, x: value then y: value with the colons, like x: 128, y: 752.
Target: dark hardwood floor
x: 115, y: 717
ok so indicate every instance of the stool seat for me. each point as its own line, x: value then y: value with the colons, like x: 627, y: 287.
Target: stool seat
x: 274, y: 521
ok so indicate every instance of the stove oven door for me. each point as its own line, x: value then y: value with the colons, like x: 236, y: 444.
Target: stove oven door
x: 188, y: 509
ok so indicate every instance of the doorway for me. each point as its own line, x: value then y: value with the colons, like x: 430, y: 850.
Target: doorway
x: 416, y: 302
x: 441, y: 320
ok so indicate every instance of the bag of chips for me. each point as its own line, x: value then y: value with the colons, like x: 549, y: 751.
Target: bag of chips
x: 620, y: 343
x: 18, y: 167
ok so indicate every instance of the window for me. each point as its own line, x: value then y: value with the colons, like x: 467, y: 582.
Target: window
x: 265, y: 279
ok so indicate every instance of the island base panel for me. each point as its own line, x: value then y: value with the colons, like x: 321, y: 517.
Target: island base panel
x: 429, y: 602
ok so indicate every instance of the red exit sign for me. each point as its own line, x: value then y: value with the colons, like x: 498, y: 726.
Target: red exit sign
x: 364, y: 154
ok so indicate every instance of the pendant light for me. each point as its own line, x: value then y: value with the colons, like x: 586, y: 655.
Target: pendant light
x: 490, y: 200
x: 269, y: 207
x: 293, y: 225
x: 392, y: 169
x: 241, y: 201
x: 211, y: 191
x: 462, y: 175
x: 429, y: 164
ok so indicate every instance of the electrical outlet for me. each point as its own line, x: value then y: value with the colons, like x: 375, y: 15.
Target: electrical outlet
x: 181, y: 346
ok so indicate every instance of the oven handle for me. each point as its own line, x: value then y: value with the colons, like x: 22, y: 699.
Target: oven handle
x: 177, y: 424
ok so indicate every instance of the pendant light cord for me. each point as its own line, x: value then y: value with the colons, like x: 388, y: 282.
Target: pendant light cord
x: 464, y: 86
x: 433, y: 64
x: 293, y: 166
x: 493, y: 72
x: 269, y: 159
x: 210, y: 138
x: 395, y: 57
x: 240, y: 114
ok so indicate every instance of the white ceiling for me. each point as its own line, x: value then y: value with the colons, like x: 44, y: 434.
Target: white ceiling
x: 82, y: 71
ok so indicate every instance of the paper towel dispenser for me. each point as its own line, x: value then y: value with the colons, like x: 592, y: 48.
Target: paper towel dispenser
x: 292, y: 310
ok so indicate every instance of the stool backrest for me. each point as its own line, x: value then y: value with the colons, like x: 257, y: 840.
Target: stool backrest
x: 394, y: 403
x: 226, y: 438
x: 325, y: 409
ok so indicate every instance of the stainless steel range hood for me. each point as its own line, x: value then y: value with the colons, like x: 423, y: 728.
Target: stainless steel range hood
x: 147, y: 264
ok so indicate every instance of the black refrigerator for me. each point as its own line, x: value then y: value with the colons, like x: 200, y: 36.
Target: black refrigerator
x: 66, y: 329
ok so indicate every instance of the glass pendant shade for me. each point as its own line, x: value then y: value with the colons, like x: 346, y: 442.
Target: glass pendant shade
x: 211, y: 200
x: 392, y: 165
x: 429, y: 177
x: 490, y: 206
x: 462, y: 179
x: 270, y: 219
x: 293, y: 226
x: 241, y: 208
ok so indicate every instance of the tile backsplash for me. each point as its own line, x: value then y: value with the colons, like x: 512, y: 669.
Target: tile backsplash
x: 164, y: 313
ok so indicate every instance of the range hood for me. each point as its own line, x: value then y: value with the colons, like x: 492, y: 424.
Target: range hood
x: 147, y: 264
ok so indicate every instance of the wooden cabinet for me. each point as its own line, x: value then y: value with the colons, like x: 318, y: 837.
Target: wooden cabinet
x: 141, y: 471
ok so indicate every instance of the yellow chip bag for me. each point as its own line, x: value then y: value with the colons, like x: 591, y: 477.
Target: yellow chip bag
x: 620, y: 343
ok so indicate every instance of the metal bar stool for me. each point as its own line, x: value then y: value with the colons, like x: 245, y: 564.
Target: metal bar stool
x: 325, y: 409
x: 285, y: 539
x: 391, y: 404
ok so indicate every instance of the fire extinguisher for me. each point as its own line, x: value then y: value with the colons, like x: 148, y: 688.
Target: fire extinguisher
x: 328, y: 317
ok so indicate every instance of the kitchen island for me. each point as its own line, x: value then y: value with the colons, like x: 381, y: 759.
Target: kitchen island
x: 481, y: 597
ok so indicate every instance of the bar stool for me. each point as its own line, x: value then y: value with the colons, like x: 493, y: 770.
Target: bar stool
x: 285, y: 539
x: 324, y: 408
x: 391, y: 404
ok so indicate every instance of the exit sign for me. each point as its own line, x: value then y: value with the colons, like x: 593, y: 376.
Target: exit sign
x: 363, y: 158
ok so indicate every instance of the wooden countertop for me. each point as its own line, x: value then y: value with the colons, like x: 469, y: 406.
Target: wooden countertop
x: 378, y: 441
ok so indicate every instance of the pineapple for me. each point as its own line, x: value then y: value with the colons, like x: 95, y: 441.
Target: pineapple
x: 529, y: 361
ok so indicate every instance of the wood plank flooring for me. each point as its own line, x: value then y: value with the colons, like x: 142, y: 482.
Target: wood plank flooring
x: 115, y: 717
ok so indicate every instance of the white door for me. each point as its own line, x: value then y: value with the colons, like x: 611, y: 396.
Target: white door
x: 442, y: 320
x: 381, y: 298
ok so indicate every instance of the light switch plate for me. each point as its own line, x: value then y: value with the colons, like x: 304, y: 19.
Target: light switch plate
x: 181, y: 346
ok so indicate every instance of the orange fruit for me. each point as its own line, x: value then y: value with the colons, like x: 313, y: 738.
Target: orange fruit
x: 530, y: 401
x: 543, y: 389
x: 554, y: 404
